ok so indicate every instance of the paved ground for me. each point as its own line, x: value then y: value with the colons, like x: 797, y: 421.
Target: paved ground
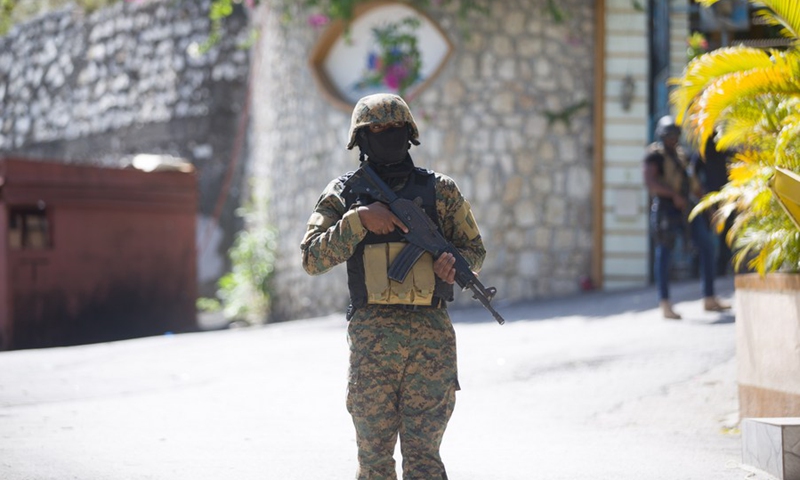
x: 596, y: 386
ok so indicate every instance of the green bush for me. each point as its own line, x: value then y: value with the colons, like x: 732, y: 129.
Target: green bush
x: 243, y: 294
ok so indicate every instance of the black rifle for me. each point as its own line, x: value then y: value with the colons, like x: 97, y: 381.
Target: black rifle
x: 423, y: 236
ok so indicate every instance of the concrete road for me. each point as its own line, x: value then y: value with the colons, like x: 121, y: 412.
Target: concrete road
x: 596, y: 386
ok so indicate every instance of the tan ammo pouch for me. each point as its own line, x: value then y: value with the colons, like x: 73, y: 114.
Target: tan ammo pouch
x: 418, y: 287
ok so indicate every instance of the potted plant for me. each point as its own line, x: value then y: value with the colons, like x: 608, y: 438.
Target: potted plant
x: 748, y: 100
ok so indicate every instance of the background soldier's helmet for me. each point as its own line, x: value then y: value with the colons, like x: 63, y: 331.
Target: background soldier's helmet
x: 381, y: 108
x: 666, y: 125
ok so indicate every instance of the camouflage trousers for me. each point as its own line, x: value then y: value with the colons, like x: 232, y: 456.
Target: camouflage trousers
x: 403, y: 380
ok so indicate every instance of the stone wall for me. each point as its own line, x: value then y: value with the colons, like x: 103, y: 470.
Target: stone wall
x: 128, y: 79
x: 485, y: 121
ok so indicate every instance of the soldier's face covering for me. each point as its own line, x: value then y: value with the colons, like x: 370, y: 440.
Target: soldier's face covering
x: 387, y: 147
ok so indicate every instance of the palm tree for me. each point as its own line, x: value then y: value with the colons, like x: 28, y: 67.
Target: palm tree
x: 748, y: 100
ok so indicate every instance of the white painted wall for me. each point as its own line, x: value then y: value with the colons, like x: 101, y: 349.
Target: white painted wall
x: 625, y: 133
x: 625, y: 245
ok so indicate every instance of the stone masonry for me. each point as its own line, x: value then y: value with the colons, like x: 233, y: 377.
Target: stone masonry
x: 490, y: 120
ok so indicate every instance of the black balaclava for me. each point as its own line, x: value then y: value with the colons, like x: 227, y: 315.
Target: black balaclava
x: 387, y: 151
x: 389, y: 146
x: 386, y: 147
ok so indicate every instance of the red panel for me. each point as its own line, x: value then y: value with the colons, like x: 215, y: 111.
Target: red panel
x: 122, y: 261
x: 5, y: 297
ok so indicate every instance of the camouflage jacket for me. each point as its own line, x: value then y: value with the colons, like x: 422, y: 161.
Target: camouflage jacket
x: 333, y: 232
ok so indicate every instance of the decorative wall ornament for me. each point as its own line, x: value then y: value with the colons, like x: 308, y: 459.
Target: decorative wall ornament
x: 395, y: 61
x: 626, y: 92
x: 387, y: 47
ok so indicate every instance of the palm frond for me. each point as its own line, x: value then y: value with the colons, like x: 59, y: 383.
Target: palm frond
x: 747, y: 124
x: 703, y: 70
x: 784, y: 14
x: 721, y: 215
x: 762, y: 202
x: 708, y: 201
x: 778, y: 78
x: 787, y: 146
x: 751, y: 170
x: 773, y: 236
x: 751, y: 102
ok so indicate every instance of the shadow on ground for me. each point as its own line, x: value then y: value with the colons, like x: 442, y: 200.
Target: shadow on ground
x: 594, y: 304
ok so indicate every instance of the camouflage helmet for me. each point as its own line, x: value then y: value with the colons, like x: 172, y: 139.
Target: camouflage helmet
x: 381, y: 108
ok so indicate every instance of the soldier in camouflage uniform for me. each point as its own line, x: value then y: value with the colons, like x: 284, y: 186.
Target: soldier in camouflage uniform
x: 403, y: 375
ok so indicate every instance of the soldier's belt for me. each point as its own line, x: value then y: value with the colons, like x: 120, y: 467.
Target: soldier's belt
x: 438, y: 303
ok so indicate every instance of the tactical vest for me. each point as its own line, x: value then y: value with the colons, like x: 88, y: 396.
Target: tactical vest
x: 672, y: 168
x: 368, y: 265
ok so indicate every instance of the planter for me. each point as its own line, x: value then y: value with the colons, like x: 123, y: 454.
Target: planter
x: 768, y: 344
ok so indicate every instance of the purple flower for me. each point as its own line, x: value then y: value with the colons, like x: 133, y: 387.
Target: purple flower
x: 317, y: 20
x: 395, y: 75
x: 391, y: 81
x: 574, y: 41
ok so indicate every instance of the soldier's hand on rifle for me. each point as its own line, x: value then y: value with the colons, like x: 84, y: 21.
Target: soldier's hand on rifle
x: 445, y: 267
x: 377, y: 218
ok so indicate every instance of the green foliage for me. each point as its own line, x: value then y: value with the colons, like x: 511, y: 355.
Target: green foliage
x: 696, y: 45
x: 244, y: 292
x: 345, y: 10
x: 6, y: 8
x: 220, y: 9
x: 217, y: 13
x: 16, y: 11
x: 205, y: 304
x: 558, y: 14
x: 749, y: 101
x: 566, y: 114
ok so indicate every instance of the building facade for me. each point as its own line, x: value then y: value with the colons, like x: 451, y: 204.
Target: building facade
x: 539, y: 110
